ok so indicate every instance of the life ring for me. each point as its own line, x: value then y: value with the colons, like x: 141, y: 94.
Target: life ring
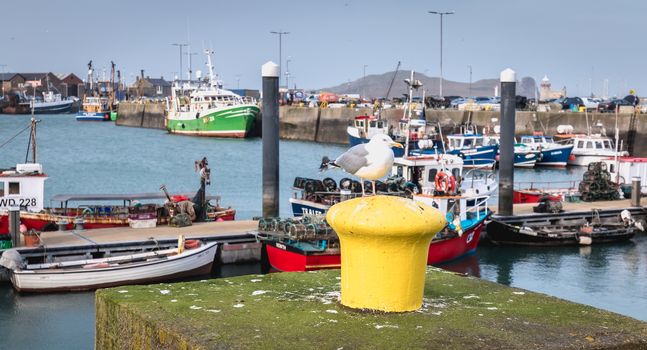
x: 191, y: 244
x: 445, y: 182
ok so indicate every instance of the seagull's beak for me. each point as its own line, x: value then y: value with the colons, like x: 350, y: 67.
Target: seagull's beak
x: 397, y: 144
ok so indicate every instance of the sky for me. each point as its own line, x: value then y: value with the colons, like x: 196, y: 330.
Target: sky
x: 577, y: 43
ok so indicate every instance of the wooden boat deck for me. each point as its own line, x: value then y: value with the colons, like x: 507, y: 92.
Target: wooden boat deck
x: 127, y: 234
x: 526, y: 208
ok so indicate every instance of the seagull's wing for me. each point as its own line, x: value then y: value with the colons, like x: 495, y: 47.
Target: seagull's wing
x: 353, y: 159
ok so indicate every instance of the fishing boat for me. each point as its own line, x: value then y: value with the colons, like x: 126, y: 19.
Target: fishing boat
x: 64, y: 273
x: 52, y: 103
x: 430, y: 179
x: 623, y: 169
x: 471, y: 146
x: 99, y: 102
x: 534, y: 191
x: 23, y: 188
x: 524, y: 156
x: 207, y: 109
x: 584, y: 230
x: 550, y: 152
x: 593, y: 148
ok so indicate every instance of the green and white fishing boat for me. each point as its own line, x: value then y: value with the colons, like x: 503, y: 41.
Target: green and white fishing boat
x: 206, y: 109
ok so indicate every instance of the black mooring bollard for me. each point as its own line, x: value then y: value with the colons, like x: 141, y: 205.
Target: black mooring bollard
x: 270, y: 73
x: 506, y: 157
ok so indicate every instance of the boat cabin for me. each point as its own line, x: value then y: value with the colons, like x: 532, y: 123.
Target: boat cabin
x: 423, y: 170
x: 23, y: 188
x: 591, y: 143
x: 537, y: 140
x: 465, y: 141
x: 368, y: 125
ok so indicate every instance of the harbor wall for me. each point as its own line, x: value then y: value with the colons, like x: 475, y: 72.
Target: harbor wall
x: 143, y: 115
x: 328, y: 125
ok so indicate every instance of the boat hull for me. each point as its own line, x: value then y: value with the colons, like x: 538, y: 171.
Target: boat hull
x: 512, y: 234
x: 302, y: 207
x: 288, y: 258
x: 93, y: 116
x: 557, y: 157
x: 194, y: 263
x: 54, y: 108
x: 235, y: 122
x: 478, y: 156
x: 397, y: 151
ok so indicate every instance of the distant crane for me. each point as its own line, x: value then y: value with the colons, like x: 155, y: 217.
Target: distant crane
x: 392, y: 80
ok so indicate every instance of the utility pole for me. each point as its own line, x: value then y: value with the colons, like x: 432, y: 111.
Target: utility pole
x: 180, y: 46
x: 280, y: 34
x: 441, y: 14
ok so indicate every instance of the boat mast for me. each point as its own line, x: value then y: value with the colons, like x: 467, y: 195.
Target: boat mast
x: 111, y: 90
x: 32, y: 140
x: 212, y: 78
x: 406, y: 147
x: 616, y: 152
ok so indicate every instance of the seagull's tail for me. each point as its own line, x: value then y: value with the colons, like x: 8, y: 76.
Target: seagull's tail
x: 326, y: 164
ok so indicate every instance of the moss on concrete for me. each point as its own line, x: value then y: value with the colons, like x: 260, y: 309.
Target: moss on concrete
x: 301, y: 310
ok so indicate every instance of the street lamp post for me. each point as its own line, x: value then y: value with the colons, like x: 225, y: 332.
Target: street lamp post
x: 189, y: 54
x: 470, y: 66
x: 287, y: 73
x: 280, y: 34
x: 180, y: 46
x: 441, y: 14
x: 364, y: 81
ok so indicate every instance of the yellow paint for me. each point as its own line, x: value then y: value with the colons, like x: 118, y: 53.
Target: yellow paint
x: 384, y: 243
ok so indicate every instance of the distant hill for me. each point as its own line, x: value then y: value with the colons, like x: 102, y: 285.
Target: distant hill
x: 377, y: 86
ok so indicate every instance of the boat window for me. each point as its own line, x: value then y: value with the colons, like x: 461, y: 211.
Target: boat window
x: 1, y: 189
x: 456, y: 172
x: 607, y: 144
x: 467, y: 143
x: 526, y: 140
x: 549, y: 139
x: 360, y: 123
x: 589, y: 144
x: 432, y: 175
x: 380, y: 125
x: 372, y: 124
x: 478, y: 142
x: 598, y: 144
x: 612, y: 168
x: 14, y: 188
x: 580, y: 144
x: 400, y: 170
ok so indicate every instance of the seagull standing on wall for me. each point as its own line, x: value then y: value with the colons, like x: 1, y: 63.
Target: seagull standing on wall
x: 370, y: 161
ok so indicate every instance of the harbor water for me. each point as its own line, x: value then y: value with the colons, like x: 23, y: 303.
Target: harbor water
x: 103, y: 158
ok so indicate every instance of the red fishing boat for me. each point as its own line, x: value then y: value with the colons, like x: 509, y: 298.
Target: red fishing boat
x: 308, y: 243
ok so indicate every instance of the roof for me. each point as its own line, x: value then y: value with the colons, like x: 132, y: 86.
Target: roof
x: 158, y: 82
x: 33, y: 76
x: 7, y: 76
x: 119, y: 197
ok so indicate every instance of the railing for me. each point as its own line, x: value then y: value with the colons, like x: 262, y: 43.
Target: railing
x: 543, y: 185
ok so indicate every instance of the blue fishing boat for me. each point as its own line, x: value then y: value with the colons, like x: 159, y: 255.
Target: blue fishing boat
x: 550, y: 152
x: 472, y: 147
x: 524, y: 156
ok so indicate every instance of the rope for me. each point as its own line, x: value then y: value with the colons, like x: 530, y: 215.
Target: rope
x: 16, y: 135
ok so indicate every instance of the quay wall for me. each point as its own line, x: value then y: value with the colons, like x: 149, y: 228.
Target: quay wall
x: 328, y: 125
x: 143, y: 115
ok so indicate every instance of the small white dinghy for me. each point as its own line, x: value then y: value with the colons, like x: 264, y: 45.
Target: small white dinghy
x: 191, y: 259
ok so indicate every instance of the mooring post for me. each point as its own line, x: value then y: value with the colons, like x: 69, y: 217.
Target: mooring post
x: 635, y: 191
x: 270, y: 73
x: 506, y: 157
x: 14, y: 226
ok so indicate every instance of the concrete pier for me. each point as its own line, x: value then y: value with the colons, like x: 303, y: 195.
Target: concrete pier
x: 302, y: 311
x: 149, y: 115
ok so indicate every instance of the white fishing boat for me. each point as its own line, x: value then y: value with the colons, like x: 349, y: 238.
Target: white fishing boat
x: 88, y: 274
x: 593, y: 148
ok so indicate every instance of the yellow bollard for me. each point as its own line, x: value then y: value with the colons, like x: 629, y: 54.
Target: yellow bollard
x: 384, y: 244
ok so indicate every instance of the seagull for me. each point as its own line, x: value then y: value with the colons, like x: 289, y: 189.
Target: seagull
x: 371, y: 161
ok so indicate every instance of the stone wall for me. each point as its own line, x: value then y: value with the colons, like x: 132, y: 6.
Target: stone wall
x: 143, y: 115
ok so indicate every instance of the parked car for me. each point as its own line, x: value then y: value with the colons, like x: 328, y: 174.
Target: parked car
x: 591, y: 103
x: 610, y: 105
x: 569, y: 102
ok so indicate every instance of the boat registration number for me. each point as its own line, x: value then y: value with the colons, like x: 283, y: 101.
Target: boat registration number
x: 17, y: 202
